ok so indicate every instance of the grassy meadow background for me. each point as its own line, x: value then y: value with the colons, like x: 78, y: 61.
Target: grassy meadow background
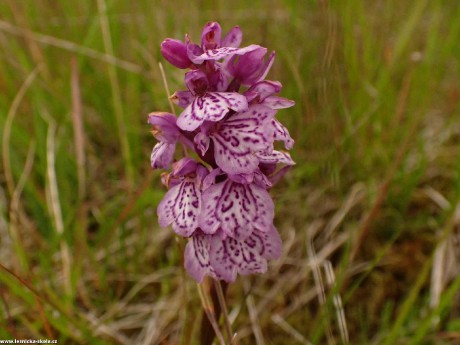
x: 369, y: 216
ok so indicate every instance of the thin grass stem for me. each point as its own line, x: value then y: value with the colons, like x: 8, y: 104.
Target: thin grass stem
x: 55, y: 206
x: 166, y: 86
x: 8, y: 125
x: 223, y: 306
x: 15, y: 209
x: 116, y: 95
x: 71, y: 47
x: 209, y: 310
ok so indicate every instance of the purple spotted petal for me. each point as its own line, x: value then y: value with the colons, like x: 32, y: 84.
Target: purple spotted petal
x: 233, y: 38
x: 240, y: 137
x: 230, y: 256
x: 275, y: 157
x: 162, y: 155
x: 220, y: 53
x: 180, y: 207
x: 275, y: 102
x: 213, y: 106
x: 263, y: 89
x: 182, y: 98
x: 196, y: 258
x: 282, y: 134
x: 222, y: 259
x: 236, y: 209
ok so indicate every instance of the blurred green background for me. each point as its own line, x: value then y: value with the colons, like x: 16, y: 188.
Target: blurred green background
x: 369, y: 215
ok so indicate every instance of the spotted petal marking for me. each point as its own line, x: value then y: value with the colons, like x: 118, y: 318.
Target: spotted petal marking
x: 197, y: 257
x: 213, y: 106
x: 275, y: 157
x: 236, y: 209
x: 162, y: 155
x: 181, y: 206
x: 219, y: 53
x: 230, y: 256
x: 282, y: 134
x: 240, y: 137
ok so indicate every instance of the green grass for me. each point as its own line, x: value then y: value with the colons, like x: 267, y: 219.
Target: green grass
x: 375, y: 193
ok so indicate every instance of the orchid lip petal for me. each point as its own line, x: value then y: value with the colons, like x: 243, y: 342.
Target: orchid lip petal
x: 230, y: 256
x: 240, y: 137
x: 196, y: 257
x: 213, y: 106
x: 235, y: 208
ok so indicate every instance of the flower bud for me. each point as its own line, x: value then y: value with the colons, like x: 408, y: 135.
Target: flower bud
x: 175, y: 52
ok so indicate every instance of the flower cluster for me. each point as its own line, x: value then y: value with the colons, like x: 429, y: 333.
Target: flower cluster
x: 219, y: 199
